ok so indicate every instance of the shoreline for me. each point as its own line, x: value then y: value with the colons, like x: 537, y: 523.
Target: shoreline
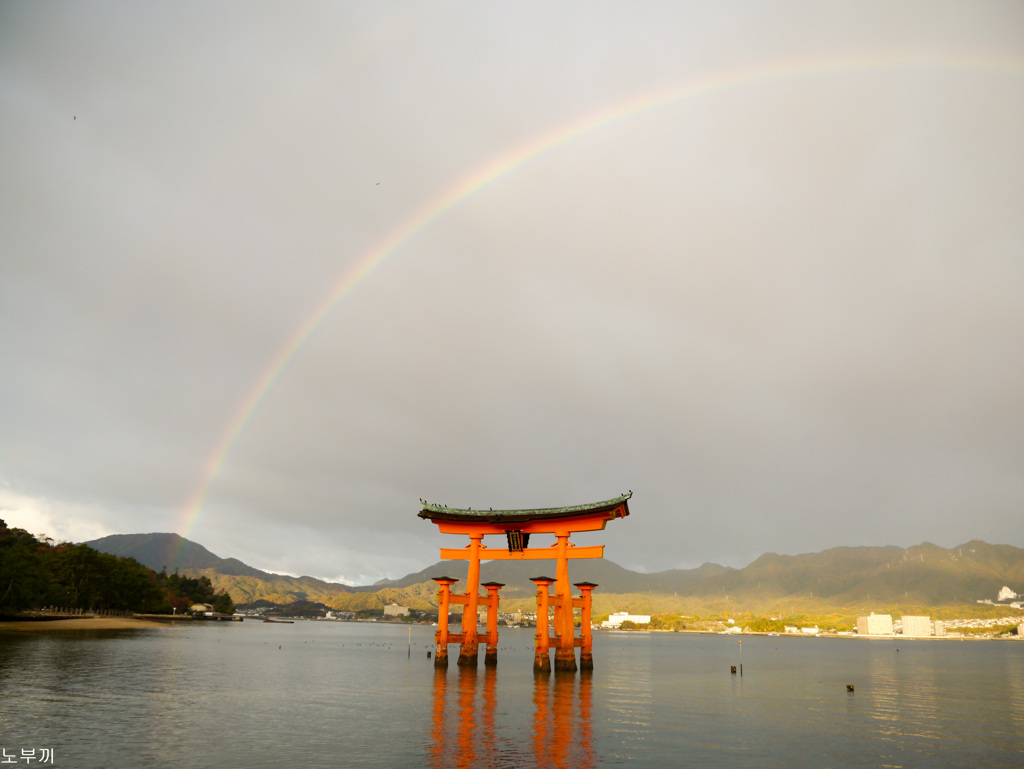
x: 81, y: 623
x: 833, y: 636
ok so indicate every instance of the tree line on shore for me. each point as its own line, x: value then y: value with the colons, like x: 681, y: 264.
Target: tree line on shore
x: 36, y: 573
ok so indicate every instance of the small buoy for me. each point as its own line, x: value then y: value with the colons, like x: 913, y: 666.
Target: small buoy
x: 734, y: 670
x: 849, y: 687
x: 428, y: 655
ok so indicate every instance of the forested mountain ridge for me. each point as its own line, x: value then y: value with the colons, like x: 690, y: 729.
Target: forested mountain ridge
x: 171, y: 552
x: 866, y: 577
x: 242, y: 582
x: 37, y: 573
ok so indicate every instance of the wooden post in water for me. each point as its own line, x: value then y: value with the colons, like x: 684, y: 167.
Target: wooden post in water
x: 441, y: 637
x: 585, y: 640
x: 565, y: 651
x: 470, y: 650
x: 491, y: 655
x: 542, y: 655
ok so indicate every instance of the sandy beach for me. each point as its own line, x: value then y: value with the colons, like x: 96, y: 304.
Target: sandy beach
x: 81, y: 623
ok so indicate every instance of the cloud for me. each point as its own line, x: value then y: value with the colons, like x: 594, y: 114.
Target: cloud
x: 784, y: 313
x: 53, y: 520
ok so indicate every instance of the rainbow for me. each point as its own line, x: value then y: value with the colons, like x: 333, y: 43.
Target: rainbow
x: 500, y: 166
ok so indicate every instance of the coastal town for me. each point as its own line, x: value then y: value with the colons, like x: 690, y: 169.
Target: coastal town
x: 1010, y: 626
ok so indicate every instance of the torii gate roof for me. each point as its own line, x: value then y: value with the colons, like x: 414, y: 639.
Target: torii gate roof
x: 615, y: 508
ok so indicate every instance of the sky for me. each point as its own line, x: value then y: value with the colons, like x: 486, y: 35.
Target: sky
x: 270, y: 274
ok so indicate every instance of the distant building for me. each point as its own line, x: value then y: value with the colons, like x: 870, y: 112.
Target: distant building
x: 394, y: 610
x: 874, y: 624
x: 917, y: 627
x: 615, y: 620
x: 200, y: 608
x: 940, y: 628
x: 1005, y: 594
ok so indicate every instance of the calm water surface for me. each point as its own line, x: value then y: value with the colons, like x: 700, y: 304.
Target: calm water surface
x: 317, y: 694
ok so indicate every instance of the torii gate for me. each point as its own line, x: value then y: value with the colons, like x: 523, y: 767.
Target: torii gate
x: 517, y: 526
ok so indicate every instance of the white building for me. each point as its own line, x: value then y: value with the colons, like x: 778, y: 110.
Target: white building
x: 917, y: 627
x: 875, y: 624
x: 1005, y: 594
x: 615, y: 620
x: 394, y: 610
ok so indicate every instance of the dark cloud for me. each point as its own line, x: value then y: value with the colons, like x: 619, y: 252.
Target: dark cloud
x: 785, y: 313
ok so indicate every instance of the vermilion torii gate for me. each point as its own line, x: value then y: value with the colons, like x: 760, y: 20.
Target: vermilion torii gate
x: 517, y: 526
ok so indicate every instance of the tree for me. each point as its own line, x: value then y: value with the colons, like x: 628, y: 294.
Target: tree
x: 36, y: 573
x: 763, y: 625
x: 223, y: 604
x: 24, y: 582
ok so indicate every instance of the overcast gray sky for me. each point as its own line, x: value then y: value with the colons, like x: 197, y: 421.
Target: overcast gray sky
x: 760, y: 263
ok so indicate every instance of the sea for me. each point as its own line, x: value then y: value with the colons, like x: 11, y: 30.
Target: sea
x: 326, y: 694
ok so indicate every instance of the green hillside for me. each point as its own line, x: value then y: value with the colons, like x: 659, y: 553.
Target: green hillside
x: 173, y: 553
x: 164, y: 552
x: 842, y: 580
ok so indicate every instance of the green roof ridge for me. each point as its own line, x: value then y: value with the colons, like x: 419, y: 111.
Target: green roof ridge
x: 429, y: 507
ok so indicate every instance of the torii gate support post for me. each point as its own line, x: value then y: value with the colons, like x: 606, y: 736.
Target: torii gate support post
x: 585, y: 641
x: 441, y: 637
x: 565, y: 653
x: 542, y: 656
x: 469, y: 652
x: 491, y: 655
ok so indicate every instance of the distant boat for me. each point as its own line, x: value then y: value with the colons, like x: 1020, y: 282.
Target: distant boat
x: 280, y: 621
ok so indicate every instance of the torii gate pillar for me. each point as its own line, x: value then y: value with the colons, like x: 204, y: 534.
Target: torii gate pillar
x: 491, y: 655
x: 541, y: 653
x: 442, y: 638
x: 586, y: 639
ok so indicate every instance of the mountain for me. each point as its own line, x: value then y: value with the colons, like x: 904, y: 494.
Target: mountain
x: 171, y: 552
x: 923, y: 575
x: 607, y: 574
x: 842, y: 579
x: 242, y: 582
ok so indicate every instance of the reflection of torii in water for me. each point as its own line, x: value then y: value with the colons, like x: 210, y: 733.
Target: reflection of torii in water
x: 517, y: 526
x: 562, y: 732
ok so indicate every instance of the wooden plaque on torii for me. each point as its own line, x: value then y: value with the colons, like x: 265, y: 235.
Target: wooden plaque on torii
x: 517, y: 526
